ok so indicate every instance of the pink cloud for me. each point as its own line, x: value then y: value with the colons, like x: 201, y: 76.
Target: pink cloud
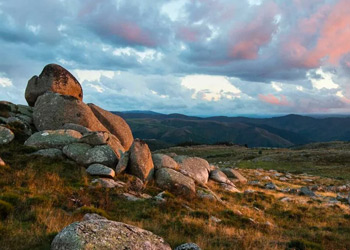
x: 187, y: 34
x: 250, y: 37
x: 271, y: 99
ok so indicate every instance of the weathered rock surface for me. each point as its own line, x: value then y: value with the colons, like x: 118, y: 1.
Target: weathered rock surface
x: 100, y: 170
x: 94, y: 138
x: 164, y: 161
x: 123, y: 163
x: 106, y: 234
x: 53, y: 78
x: 194, y: 167
x: 53, y: 138
x: 76, y: 151
x: 6, y: 135
x: 140, y: 162
x: 101, y: 154
x: 50, y: 152
x: 115, y: 124
x: 115, y: 144
x: 81, y: 129
x: 175, y: 182
x: 52, y: 111
x: 232, y: 173
x: 219, y: 176
x: 188, y: 246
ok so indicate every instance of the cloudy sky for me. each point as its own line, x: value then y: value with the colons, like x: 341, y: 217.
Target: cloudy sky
x: 199, y: 57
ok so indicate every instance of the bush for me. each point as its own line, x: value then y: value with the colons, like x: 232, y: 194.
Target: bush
x: 303, y: 245
x: 5, y: 209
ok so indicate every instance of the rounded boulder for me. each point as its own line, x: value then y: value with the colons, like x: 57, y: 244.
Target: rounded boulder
x: 53, y: 78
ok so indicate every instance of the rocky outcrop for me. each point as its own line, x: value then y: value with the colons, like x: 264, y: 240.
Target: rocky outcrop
x: 53, y: 138
x: 53, y: 78
x: 6, y: 135
x: 169, y: 179
x: 164, y: 161
x: 140, y: 162
x: 52, y: 111
x: 115, y: 124
x: 81, y: 129
x: 100, y: 233
x: 194, y: 167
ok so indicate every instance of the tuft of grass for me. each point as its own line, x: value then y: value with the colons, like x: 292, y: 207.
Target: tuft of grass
x: 5, y: 209
x: 91, y: 210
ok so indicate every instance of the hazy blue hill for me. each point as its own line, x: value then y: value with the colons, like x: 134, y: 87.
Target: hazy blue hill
x: 281, y: 131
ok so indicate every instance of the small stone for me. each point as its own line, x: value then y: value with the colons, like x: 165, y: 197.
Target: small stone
x: 93, y: 217
x: 131, y: 197
x: 50, y: 152
x: 266, y: 178
x: 100, y: 170
x: 215, y: 219
x: 283, y: 179
x: 105, y: 182
x: 271, y: 186
x: 188, y: 246
x: 2, y: 163
x: 6, y: 135
x: 306, y: 191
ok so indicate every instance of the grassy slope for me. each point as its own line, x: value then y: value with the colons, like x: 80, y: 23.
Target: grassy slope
x: 45, y: 195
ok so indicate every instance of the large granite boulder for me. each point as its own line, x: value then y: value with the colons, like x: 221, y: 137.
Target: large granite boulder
x: 81, y: 129
x: 77, y: 151
x: 52, y: 111
x: 99, y: 233
x: 194, y: 167
x: 140, y: 161
x: 53, y: 78
x: 52, y: 138
x: 219, y: 176
x: 175, y: 182
x: 115, y: 124
x: 164, y: 161
x: 6, y: 135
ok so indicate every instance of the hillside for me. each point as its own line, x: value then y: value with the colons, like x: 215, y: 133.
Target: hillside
x: 282, y: 131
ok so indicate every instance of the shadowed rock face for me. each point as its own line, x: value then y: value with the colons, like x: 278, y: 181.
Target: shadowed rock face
x: 53, y: 78
x: 115, y: 124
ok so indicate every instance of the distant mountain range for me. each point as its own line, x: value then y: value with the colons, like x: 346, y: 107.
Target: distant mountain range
x: 162, y: 130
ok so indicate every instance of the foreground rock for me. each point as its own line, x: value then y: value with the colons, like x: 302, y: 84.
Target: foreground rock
x: 53, y: 111
x: 194, y: 167
x: 53, y: 78
x: 53, y: 138
x: 140, y: 162
x: 100, y: 233
x: 6, y: 135
x: 123, y: 163
x: 50, y: 152
x: 115, y: 124
x: 175, y: 182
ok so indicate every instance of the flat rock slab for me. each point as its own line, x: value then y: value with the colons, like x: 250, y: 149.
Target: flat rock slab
x: 100, y: 170
x: 106, y: 234
x: 6, y: 135
x: 50, y: 152
x: 53, y: 138
x: 232, y: 173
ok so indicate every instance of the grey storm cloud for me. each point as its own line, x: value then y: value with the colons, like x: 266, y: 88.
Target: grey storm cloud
x: 255, y: 43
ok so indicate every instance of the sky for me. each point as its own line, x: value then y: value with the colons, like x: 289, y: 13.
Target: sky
x: 196, y: 57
